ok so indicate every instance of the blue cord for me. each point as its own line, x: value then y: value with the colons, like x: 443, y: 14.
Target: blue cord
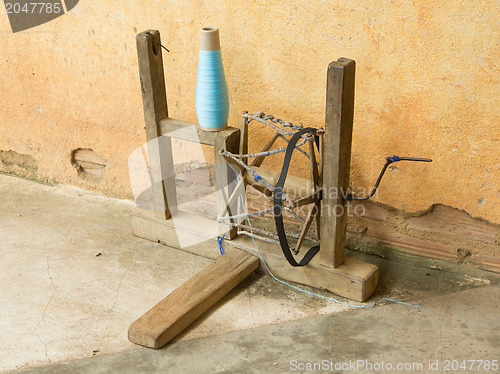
x: 315, y: 294
x: 219, y: 240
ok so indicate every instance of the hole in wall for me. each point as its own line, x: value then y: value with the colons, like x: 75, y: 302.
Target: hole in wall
x: 88, y: 164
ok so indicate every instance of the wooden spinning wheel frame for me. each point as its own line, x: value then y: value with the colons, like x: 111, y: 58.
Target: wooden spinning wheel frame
x: 329, y: 173
x: 306, y: 194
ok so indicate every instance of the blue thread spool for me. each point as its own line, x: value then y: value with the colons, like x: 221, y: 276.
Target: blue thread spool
x: 212, y: 100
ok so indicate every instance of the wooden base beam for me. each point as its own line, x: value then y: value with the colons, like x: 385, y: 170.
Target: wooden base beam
x: 353, y: 279
x: 188, y: 302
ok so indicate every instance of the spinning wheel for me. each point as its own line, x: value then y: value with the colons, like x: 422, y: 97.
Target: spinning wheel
x: 286, y: 196
x: 328, y: 151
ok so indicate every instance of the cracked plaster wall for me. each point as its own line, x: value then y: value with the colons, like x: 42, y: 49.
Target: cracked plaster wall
x: 426, y: 86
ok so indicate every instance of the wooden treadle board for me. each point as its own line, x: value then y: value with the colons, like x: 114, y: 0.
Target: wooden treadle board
x: 184, y: 305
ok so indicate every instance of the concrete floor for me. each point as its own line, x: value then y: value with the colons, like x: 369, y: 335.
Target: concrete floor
x: 459, y: 326
x: 73, y: 279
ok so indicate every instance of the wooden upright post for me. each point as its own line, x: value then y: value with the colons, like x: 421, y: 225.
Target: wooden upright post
x: 154, y: 100
x: 183, y: 306
x: 337, y: 159
x: 225, y: 177
x: 244, y: 137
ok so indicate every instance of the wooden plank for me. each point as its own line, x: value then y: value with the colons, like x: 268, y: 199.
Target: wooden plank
x: 188, y: 302
x: 183, y: 130
x: 295, y: 186
x: 315, y: 180
x: 305, y: 228
x: 314, y: 198
x: 321, y: 157
x: 225, y: 177
x: 154, y: 99
x: 337, y: 159
x: 260, y: 159
x: 184, y: 229
x: 353, y: 279
x: 244, y: 137
x: 313, y: 165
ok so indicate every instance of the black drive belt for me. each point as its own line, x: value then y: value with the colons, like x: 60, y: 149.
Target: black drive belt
x: 278, y: 205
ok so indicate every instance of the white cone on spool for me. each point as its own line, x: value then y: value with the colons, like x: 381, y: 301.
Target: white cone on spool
x: 209, y: 39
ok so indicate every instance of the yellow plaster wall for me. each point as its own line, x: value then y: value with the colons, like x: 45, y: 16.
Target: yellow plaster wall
x: 427, y: 85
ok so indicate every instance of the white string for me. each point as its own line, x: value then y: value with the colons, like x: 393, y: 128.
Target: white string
x: 266, y: 153
x: 252, y: 117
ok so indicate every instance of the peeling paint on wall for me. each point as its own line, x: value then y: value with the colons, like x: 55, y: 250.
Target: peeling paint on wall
x: 17, y: 163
